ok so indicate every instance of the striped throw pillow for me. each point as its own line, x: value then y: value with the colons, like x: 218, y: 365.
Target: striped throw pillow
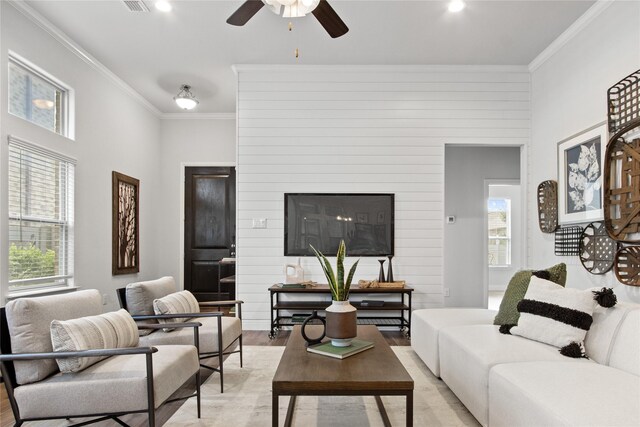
x: 176, y: 303
x: 109, y: 330
x: 555, y: 315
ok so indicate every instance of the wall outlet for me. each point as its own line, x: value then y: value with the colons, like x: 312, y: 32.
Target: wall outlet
x: 259, y: 223
x: 451, y: 219
x: 446, y: 292
x: 105, y: 299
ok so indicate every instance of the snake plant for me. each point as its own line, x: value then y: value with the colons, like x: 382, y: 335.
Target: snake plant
x: 337, y: 283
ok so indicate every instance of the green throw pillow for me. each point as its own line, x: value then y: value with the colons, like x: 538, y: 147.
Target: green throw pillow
x: 518, y: 285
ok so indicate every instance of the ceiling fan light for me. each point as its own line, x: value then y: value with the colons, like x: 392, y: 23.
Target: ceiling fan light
x: 185, y: 99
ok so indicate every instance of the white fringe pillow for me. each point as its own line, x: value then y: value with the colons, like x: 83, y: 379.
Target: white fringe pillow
x: 555, y: 315
x: 109, y: 330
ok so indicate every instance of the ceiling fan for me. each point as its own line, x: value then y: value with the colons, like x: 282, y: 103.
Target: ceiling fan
x: 321, y: 9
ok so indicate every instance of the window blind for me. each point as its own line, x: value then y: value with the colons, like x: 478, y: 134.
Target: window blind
x: 41, y: 209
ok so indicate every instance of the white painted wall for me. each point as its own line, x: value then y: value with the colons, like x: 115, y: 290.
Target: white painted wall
x: 499, y: 276
x: 466, y: 169
x: 569, y: 93
x: 186, y: 142
x: 113, y: 132
x: 362, y: 129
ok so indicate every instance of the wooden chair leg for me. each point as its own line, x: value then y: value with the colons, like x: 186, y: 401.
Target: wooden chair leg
x: 241, y: 351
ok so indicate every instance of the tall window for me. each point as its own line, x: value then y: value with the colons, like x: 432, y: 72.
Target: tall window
x: 37, y: 97
x: 499, y: 214
x: 40, y: 217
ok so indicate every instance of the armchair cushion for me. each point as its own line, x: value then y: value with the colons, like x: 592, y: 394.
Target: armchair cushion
x: 110, y: 330
x: 116, y: 384
x: 231, y: 329
x: 29, y: 322
x: 140, y: 295
x: 176, y: 303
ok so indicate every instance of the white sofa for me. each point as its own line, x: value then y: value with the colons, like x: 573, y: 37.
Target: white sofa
x: 506, y: 380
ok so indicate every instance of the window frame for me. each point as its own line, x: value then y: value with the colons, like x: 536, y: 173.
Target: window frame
x: 67, y: 101
x: 506, y: 238
x: 65, y: 199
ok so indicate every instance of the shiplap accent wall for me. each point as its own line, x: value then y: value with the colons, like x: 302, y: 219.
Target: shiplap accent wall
x: 362, y: 129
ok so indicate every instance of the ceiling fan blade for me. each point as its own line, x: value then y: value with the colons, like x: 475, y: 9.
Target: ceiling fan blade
x: 330, y: 20
x: 245, y: 12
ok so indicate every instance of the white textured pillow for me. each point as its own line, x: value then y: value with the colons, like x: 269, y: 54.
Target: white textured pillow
x: 176, y: 303
x: 110, y: 330
x: 554, y: 315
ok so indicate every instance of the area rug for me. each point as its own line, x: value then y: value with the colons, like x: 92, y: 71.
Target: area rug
x: 246, y: 400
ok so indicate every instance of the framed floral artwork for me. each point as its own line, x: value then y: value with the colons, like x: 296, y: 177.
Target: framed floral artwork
x: 580, y: 168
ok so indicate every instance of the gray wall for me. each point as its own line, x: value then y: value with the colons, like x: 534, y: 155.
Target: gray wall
x: 466, y: 168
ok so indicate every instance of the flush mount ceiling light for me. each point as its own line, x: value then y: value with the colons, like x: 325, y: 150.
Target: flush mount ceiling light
x: 456, y: 5
x: 185, y: 99
x: 163, y: 6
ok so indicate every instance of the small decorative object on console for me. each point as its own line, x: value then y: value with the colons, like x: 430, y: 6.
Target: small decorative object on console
x: 381, y: 275
x: 390, y: 270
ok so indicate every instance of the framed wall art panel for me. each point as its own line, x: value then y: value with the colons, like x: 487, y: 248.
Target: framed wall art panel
x: 580, y: 167
x: 125, y: 255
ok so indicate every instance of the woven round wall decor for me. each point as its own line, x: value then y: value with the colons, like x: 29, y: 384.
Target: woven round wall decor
x: 622, y: 188
x: 597, y: 249
x: 627, y: 265
x: 548, y: 206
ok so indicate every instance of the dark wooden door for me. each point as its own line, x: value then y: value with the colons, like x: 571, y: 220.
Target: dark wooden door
x: 210, y: 224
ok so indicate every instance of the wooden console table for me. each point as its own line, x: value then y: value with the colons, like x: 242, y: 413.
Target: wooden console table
x: 400, y: 305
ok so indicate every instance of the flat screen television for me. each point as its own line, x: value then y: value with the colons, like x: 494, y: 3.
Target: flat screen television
x: 363, y: 221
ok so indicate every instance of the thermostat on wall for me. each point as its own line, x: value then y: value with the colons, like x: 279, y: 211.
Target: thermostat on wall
x: 451, y: 219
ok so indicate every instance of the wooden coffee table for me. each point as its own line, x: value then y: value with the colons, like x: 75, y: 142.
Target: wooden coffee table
x: 374, y: 372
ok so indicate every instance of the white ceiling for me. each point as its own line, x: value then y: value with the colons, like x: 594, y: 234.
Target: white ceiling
x: 156, y: 52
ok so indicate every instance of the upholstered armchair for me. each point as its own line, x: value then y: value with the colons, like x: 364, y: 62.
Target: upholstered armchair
x: 218, y: 335
x: 105, y: 374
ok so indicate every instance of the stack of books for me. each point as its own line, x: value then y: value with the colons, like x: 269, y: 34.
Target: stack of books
x: 327, y: 349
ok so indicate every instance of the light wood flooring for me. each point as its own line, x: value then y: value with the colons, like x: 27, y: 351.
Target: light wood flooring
x: 259, y: 338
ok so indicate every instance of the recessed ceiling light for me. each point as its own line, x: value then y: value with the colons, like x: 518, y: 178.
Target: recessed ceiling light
x: 163, y: 6
x: 456, y: 5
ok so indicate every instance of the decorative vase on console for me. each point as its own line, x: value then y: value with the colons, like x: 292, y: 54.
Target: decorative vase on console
x: 342, y: 322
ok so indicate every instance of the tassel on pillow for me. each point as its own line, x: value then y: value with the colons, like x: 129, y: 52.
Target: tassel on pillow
x: 506, y: 329
x: 574, y: 350
x: 605, y: 297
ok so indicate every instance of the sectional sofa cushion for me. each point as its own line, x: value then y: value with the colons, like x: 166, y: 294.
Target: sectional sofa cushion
x: 467, y: 354
x: 563, y: 393
x: 427, y: 323
x: 555, y: 315
x: 517, y: 288
x: 110, y: 330
x: 29, y: 322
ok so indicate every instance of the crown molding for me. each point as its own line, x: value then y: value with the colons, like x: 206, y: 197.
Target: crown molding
x: 580, y: 24
x: 198, y: 116
x: 70, y: 44
x: 239, y: 68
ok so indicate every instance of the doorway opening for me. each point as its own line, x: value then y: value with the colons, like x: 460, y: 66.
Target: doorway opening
x: 504, y: 232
